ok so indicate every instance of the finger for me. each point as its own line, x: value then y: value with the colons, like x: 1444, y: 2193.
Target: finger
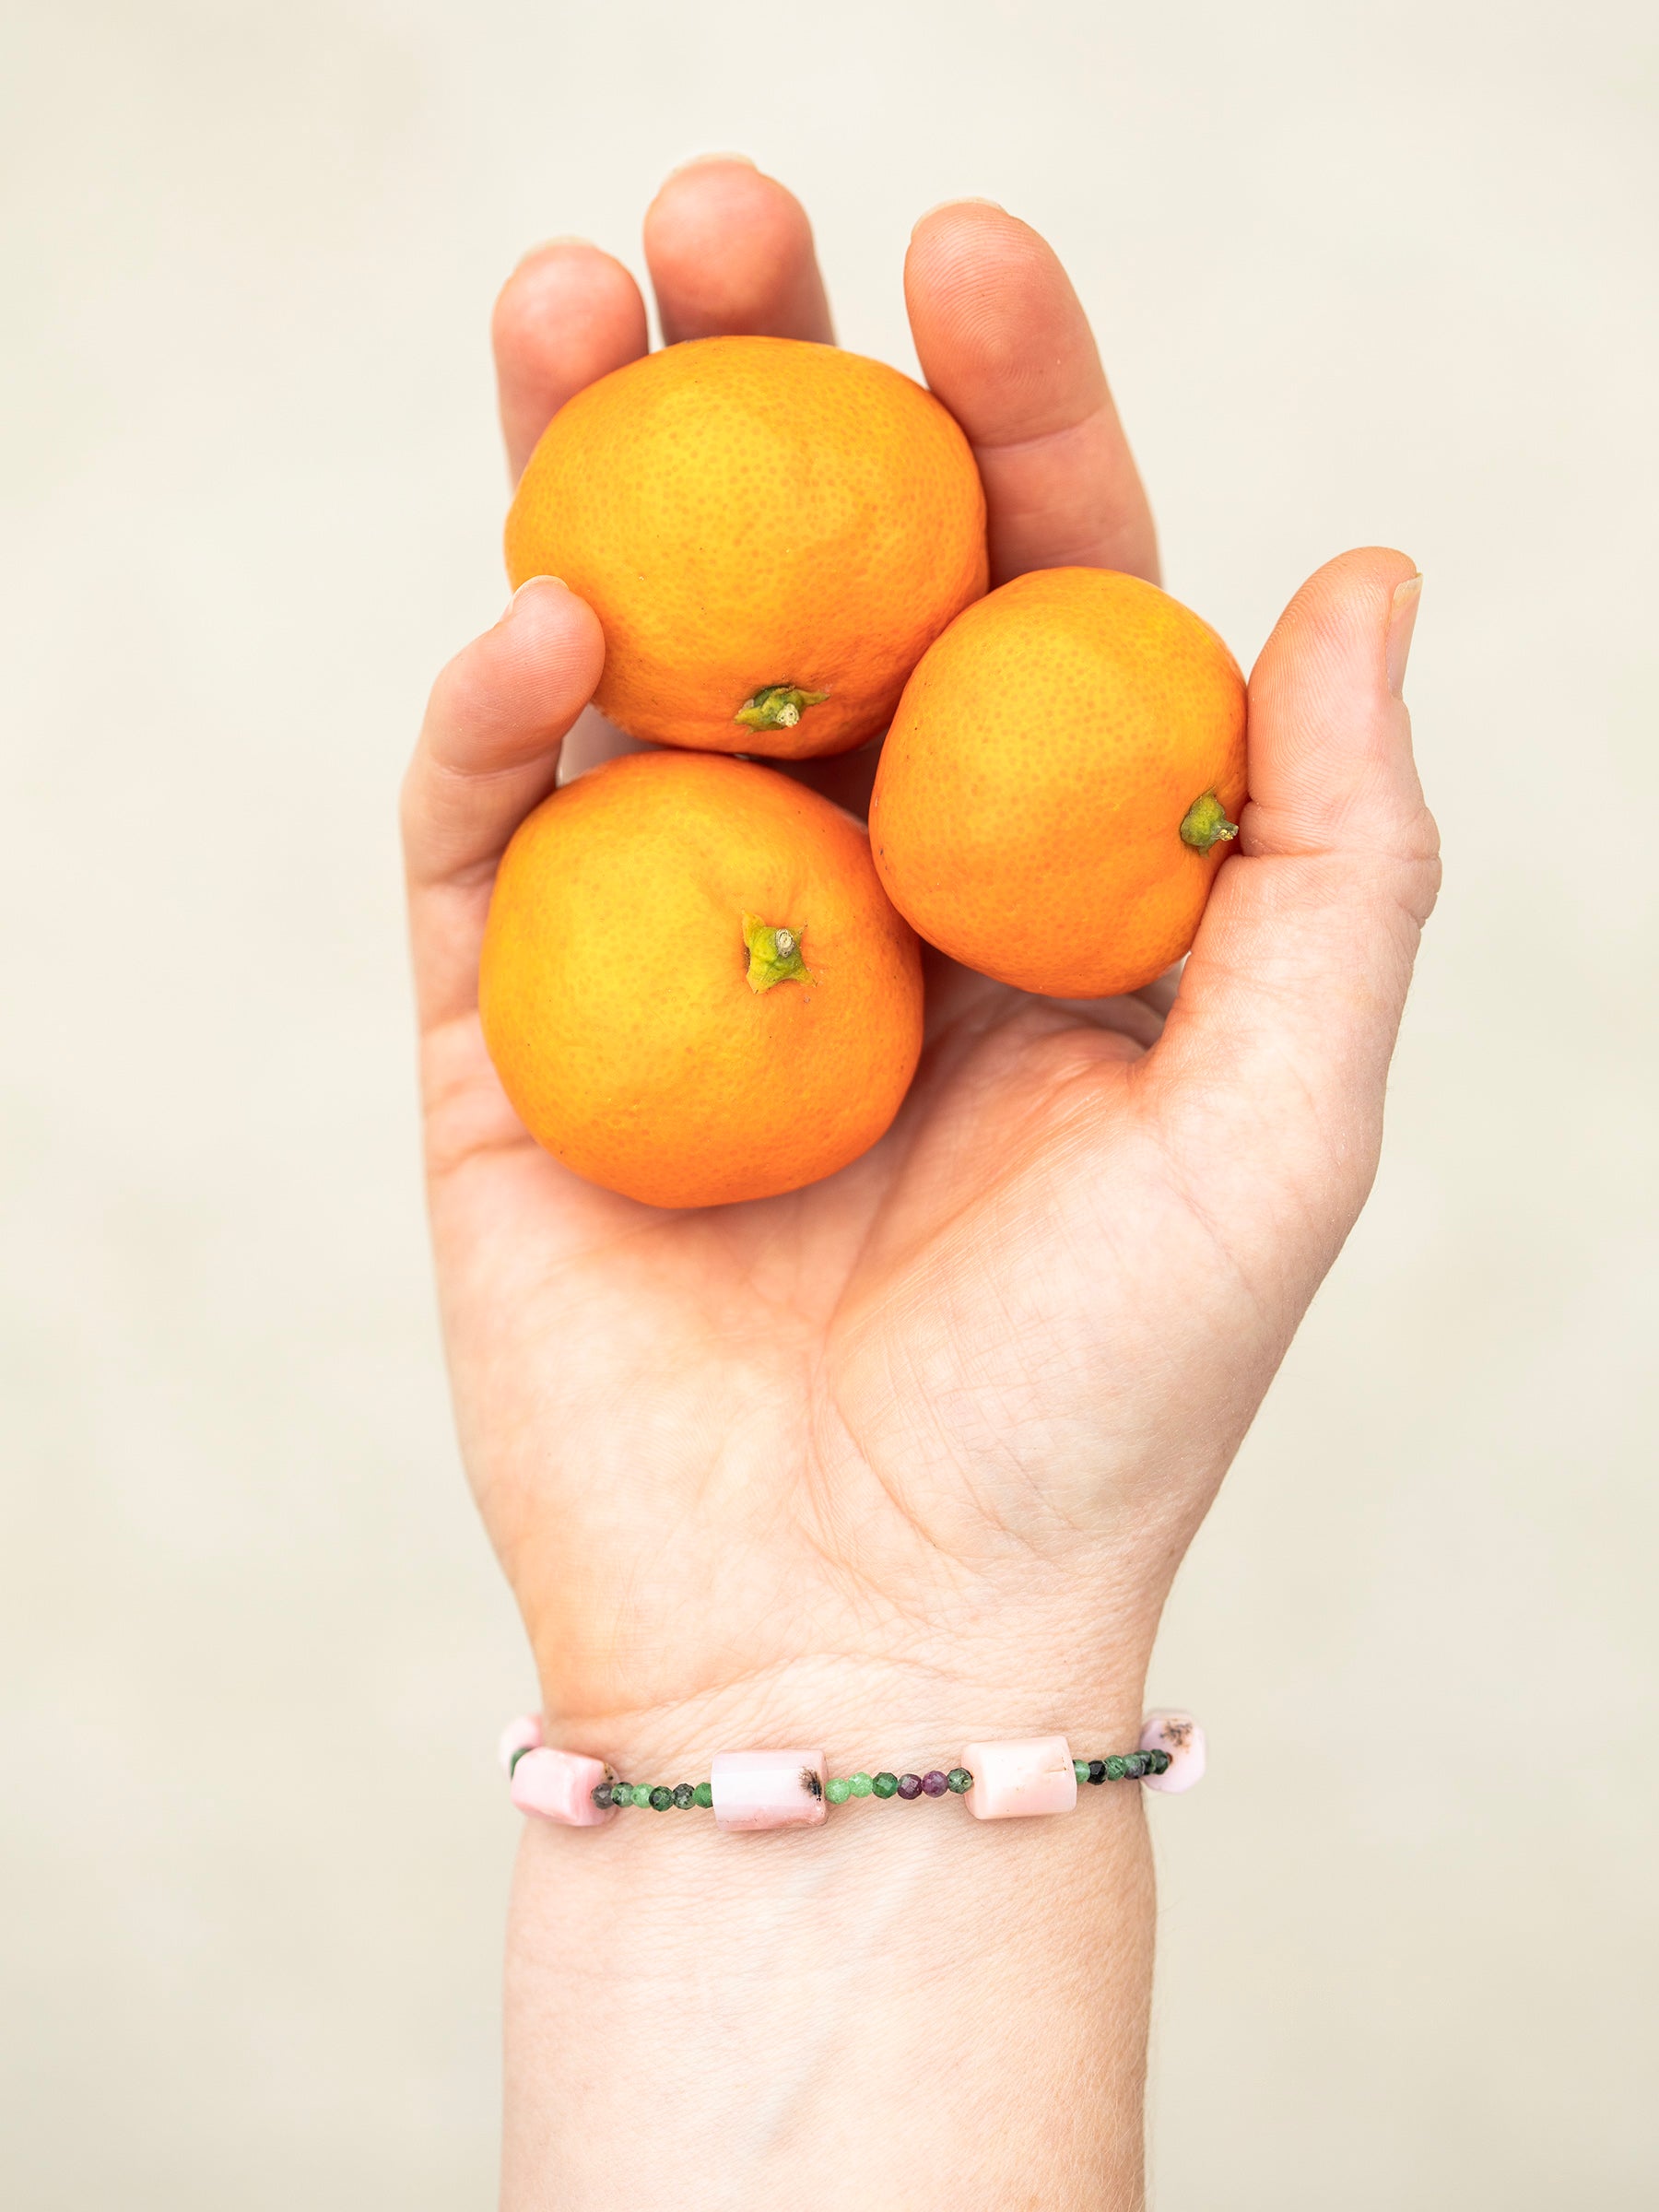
x: 1275, y: 1057
x: 1003, y: 339
x: 488, y: 752
x: 567, y: 316
x: 730, y: 254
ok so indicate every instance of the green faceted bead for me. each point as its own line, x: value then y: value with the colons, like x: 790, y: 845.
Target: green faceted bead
x: 886, y: 1785
x: 704, y: 1795
x: 620, y: 1794
x: 1080, y: 1769
x: 961, y: 1780
x: 1135, y: 1766
x: 661, y: 1799
x: 1115, y: 1768
x: 839, y: 1791
x: 860, y: 1786
x: 685, y: 1796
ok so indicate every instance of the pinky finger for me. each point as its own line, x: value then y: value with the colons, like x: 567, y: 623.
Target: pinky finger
x: 488, y: 753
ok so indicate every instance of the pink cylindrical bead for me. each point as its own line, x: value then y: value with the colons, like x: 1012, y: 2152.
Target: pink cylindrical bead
x: 523, y: 1734
x: 767, y: 1789
x: 559, y: 1786
x: 1179, y: 1734
x: 1025, y: 1774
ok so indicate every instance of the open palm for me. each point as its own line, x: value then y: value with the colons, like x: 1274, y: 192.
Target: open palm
x: 939, y: 1428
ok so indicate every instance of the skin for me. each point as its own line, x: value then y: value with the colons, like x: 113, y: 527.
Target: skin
x: 911, y: 1456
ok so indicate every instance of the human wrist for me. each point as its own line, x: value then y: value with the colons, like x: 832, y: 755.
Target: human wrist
x: 863, y: 1715
x: 901, y: 1991
x: 882, y: 1682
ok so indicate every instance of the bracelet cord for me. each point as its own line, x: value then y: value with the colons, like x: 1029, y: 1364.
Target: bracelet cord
x: 683, y: 1796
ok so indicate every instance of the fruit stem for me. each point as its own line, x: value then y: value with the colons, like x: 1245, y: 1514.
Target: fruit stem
x: 774, y: 953
x: 777, y: 707
x: 1206, y: 823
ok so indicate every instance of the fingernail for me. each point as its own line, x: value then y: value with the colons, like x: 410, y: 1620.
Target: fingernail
x: 962, y: 199
x: 529, y: 584
x: 1402, y: 620
x: 702, y: 160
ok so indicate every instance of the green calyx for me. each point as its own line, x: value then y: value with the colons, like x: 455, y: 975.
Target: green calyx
x: 777, y: 707
x: 774, y: 954
x: 1205, y: 824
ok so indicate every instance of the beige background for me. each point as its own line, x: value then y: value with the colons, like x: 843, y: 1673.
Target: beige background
x: 1360, y: 274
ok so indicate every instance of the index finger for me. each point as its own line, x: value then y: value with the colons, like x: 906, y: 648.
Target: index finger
x: 1003, y: 340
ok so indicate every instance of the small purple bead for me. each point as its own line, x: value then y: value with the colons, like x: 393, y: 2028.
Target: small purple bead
x: 934, y: 1783
x: 910, y: 1785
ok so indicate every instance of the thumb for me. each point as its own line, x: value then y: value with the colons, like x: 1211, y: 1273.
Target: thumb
x: 1271, y: 1072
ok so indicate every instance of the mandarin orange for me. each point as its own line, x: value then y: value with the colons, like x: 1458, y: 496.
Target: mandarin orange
x: 771, y: 533
x: 1061, y: 782
x: 693, y: 986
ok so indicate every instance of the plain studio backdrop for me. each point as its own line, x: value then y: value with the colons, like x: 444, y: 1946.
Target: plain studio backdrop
x: 1358, y: 275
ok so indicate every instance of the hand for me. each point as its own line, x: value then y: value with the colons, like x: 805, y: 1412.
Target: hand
x: 914, y: 1453
x: 923, y: 1413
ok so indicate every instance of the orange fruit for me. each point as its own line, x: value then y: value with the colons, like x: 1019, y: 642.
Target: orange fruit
x: 1061, y: 780
x: 693, y: 986
x: 771, y: 533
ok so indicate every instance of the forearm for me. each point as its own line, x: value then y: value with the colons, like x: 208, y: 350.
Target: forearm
x: 869, y: 2011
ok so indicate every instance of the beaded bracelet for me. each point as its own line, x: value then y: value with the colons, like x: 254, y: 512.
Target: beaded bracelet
x: 997, y: 1781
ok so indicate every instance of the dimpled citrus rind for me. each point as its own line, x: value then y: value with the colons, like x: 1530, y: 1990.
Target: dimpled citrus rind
x: 1027, y: 812
x: 615, y: 993
x: 743, y: 512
